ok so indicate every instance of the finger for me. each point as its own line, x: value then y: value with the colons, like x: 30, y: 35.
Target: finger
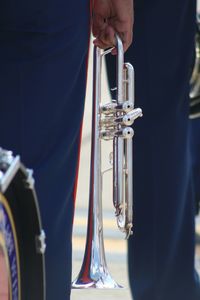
x: 100, y: 44
x: 126, y: 38
x: 107, y: 37
x: 114, y: 51
x: 98, y: 25
x: 124, y: 30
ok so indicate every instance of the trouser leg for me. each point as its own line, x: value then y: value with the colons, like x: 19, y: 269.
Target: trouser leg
x: 161, y: 250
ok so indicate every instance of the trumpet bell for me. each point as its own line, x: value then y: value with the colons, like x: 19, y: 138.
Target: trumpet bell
x: 95, y: 279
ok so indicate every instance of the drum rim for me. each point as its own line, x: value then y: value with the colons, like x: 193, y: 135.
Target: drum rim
x: 6, y: 206
x: 14, y: 172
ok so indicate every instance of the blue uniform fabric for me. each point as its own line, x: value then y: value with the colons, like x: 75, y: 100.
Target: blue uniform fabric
x: 161, y: 250
x: 195, y: 152
x: 43, y: 61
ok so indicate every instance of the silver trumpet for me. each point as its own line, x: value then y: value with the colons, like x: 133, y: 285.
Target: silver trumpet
x: 111, y: 121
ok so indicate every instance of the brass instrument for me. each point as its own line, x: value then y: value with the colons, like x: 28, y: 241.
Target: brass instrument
x: 195, y: 78
x: 111, y: 121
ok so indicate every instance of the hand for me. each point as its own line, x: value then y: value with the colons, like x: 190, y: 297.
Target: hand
x: 110, y: 17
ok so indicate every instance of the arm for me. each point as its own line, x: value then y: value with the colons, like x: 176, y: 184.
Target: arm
x: 110, y: 17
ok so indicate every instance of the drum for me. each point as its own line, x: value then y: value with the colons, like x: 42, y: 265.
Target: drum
x: 22, y: 240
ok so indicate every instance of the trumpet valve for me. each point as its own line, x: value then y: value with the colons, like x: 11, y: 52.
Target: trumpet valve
x: 130, y: 117
x: 125, y: 133
x: 108, y: 108
x: 113, y: 107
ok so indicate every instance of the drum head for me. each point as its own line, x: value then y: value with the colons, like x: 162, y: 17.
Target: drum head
x: 4, y: 279
x: 10, y: 285
x: 22, y: 242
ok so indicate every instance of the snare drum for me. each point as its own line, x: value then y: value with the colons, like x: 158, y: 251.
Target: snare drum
x: 22, y: 240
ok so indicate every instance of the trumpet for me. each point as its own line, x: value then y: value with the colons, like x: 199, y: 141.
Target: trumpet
x: 110, y: 121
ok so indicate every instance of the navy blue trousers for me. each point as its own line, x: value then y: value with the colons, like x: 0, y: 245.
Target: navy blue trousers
x: 43, y: 61
x: 161, y: 250
x: 195, y: 152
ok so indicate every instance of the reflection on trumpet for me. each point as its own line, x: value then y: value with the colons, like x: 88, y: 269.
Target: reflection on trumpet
x: 111, y: 121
